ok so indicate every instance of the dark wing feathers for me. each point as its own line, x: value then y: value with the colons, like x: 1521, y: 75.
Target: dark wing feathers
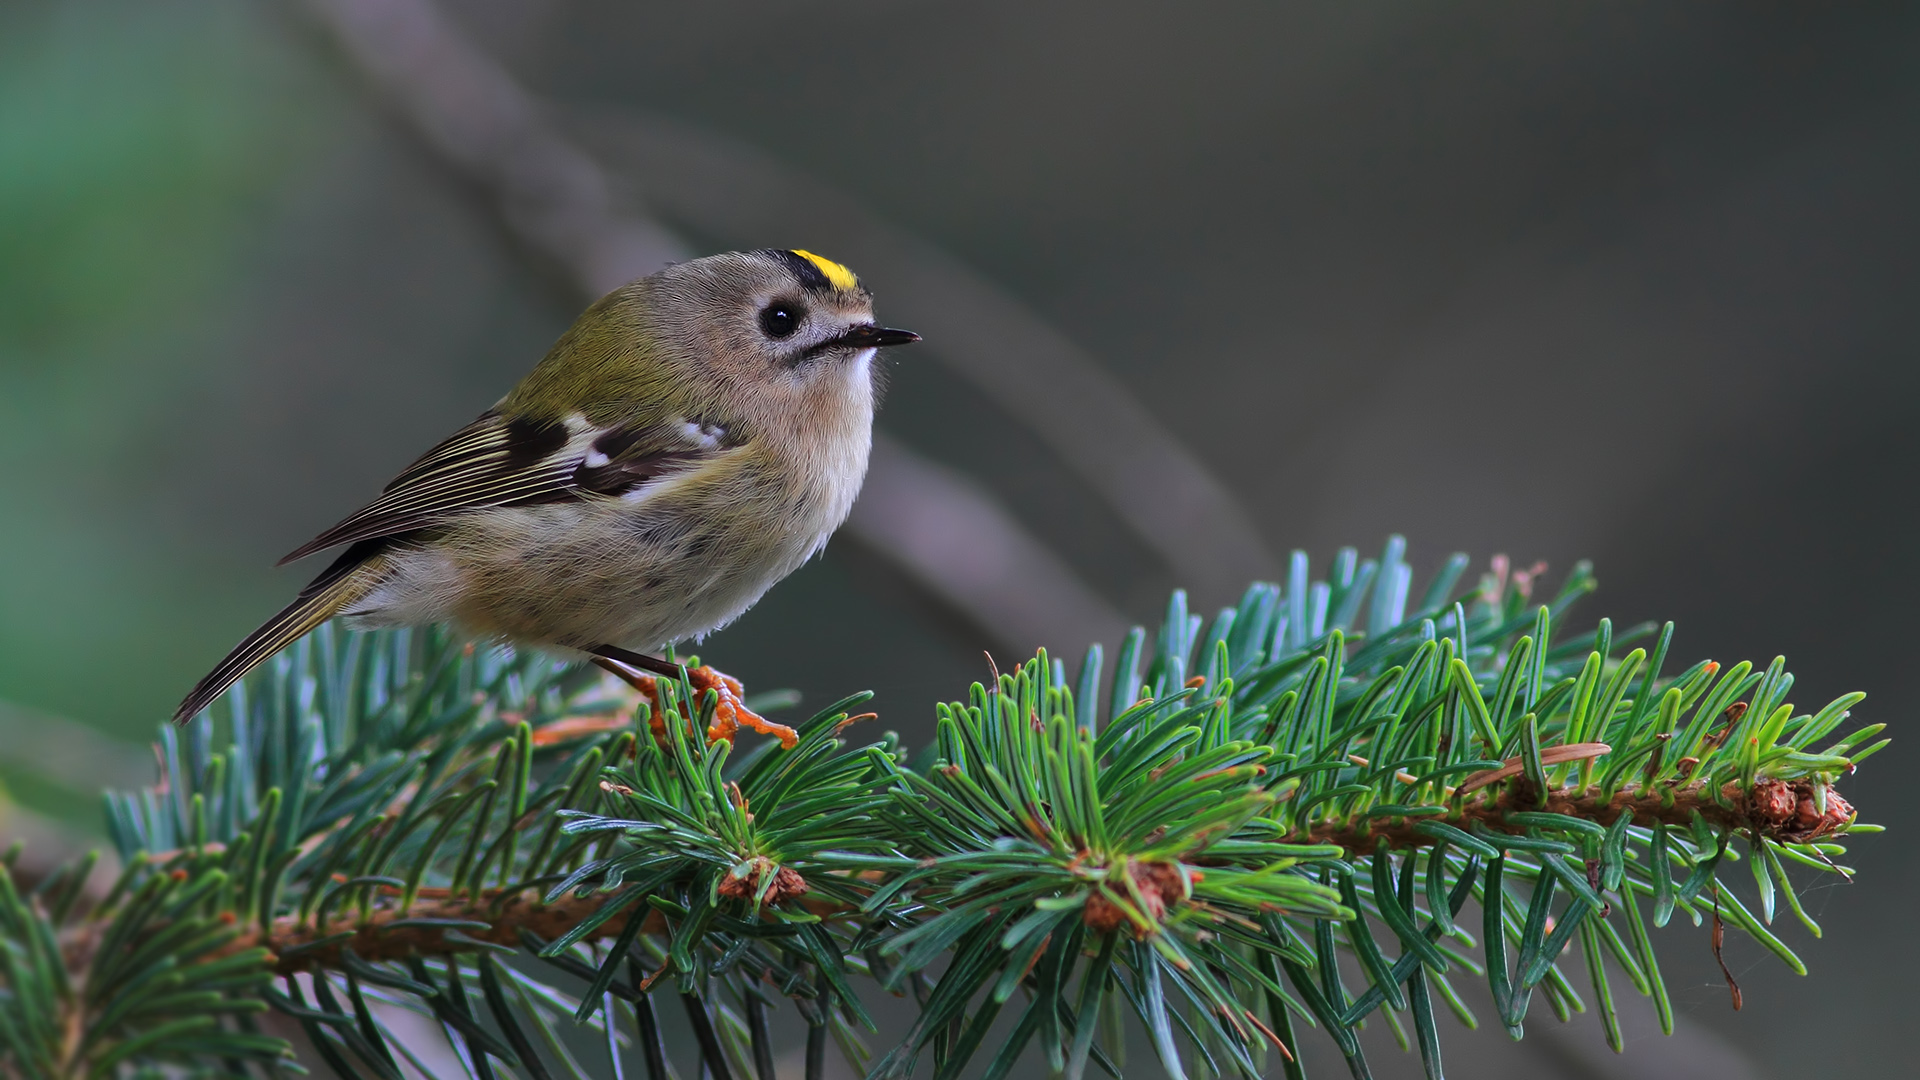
x: 620, y: 475
x: 496, y: 461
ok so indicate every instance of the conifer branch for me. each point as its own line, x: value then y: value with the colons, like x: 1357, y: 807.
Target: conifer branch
x: 1311, y: 782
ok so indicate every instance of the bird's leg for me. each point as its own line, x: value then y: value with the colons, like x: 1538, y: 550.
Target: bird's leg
x: 638, y: 661
x: 729, y: 712
x: 646, y: 684
x: 732, y: 710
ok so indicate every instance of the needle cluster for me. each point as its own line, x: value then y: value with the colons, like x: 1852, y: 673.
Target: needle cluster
x: 1323, y: 807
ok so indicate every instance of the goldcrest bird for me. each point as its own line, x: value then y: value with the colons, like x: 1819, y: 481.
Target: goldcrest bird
x: 693, y: 438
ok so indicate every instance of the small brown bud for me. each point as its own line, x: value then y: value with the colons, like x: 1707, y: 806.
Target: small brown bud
x: 787, y: 882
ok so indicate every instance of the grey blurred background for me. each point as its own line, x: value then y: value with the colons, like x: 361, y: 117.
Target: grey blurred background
x: 1628, y: 282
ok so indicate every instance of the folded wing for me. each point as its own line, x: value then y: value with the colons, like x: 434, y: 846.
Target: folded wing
x: 497, y: 461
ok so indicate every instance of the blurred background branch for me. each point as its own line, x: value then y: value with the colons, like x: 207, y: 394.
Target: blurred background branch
x: 554, y: 198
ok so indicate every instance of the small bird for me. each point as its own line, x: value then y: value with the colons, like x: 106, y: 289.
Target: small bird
x: 692, y: 439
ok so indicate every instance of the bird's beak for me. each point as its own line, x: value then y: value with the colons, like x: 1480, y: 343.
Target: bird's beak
x: 869, y: 336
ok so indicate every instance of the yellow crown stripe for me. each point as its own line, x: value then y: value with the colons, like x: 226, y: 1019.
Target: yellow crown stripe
x: 839, y: 276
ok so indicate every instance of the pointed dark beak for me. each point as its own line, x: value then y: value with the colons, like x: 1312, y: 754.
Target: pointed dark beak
x: 870, y: 336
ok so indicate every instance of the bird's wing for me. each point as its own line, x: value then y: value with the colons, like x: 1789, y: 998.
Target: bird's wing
x: 497, y: 461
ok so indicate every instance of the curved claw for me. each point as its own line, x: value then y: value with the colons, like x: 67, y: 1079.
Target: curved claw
x: 728, y: 715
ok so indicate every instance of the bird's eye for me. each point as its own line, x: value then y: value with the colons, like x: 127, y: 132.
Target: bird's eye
x: 779, y: 319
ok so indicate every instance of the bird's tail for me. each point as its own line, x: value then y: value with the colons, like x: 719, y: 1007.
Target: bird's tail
x: 339, y: 586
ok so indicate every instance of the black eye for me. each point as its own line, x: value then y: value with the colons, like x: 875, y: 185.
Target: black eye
x: 779, y: 319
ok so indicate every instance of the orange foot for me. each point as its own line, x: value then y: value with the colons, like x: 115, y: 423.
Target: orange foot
x: 728, y: 715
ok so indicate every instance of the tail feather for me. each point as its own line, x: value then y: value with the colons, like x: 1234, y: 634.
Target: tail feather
x: 318, y: 602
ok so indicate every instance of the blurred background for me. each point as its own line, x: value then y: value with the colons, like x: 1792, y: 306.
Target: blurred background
x: 1200, y: 286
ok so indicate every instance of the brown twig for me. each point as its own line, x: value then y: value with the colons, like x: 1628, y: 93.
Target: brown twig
x: 391, y: 933
x: 378, y: 938
x: 1757, y: 813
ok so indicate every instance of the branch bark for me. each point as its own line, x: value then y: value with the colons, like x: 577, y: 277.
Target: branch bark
x: 1735, y: 810
x: 378, y: 938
